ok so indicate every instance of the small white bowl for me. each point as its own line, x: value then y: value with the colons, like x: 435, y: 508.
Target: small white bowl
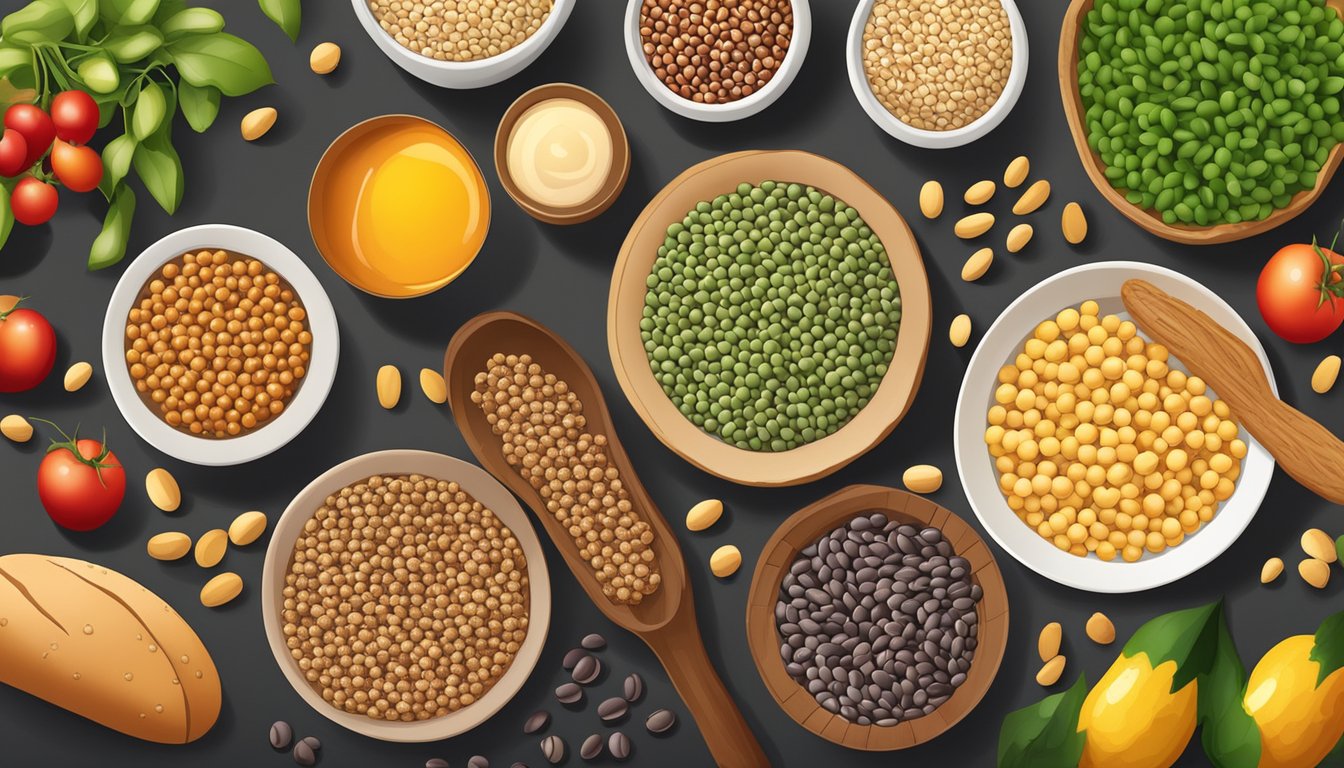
x: 858, y: 80
x: 485, y: 489
x: 467, y: 74
x: 729, y: 111
x: 312, y: 393
x: 1100, y: 282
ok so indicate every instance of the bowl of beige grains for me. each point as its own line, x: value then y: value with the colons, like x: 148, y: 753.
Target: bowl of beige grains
x: 219, y: 345
x: 716, y: 60
x: 406, y: 596
x: 463, y: 43
x: 937, y: 73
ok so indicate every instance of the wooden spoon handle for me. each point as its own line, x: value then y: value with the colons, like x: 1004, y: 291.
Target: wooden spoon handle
x: 679, y: 647
x: 1307, y: 451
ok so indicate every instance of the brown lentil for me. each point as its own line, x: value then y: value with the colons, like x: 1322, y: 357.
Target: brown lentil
x: 937, y: 65
x: 715, y: 51
x: 460, y: 30
x: 543, y: 428
x: 405, y: 599
x: 217, y: 344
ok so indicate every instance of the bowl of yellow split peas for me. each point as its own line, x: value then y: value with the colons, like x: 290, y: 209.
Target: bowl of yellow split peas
x: 1089, y: 452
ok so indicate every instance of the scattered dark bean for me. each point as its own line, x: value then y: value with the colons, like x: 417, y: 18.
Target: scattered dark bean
x: 538, y: 720
x: 594, y: 642
x: 436, y: 762
x: 573, y: 657
x: 618, y: 744
x: 612, y: 709
x: 591, y: 748
x: 553, y: 749
x: 281, y: 735
x: 304, y: 754
x: 312, y: 743
x: 477, y: 761
x: 569, y: 693
x: 660, y: 721
x: 519, y: 764
x: 633, y: 687
x: 587, y: 670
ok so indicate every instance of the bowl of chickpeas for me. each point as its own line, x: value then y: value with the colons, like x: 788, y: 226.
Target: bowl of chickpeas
x: 219, y: 345
x: 1091, y: 454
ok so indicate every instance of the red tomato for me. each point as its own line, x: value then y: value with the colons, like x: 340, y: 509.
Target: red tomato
x: 27, y: 349
x: 75, y: 115
x: 78, y: 168
x: 36, y: 127
x: 1298, y: 299
x: 13, y: 153
x: 81, y: 491
x: 33, y: 201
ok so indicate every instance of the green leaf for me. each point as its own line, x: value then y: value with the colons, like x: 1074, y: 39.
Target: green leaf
x: 1189, y: 638
x: 128, y: 12
x: 109, y: 247
x: 41, y: 21
x: 1329, y: 648
x: 285, y: 13
x: 14, y: 58
x: 85, y: 14
x: 192, y: 21
x: 160, y: 169
x: 167, y: 9
x: 1336, y: 757
x: 6, y: 216
x: 150, y: 110
x: 131, y: 44
x: 117, y: 162
x: 200, y: 105
x: 223, y: 61
x: 99, y: 73
x: 1045, y: 734
x: 1339, y: 547
x: 1230, y: 736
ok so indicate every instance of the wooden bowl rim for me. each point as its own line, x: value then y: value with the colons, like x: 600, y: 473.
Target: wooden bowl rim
x: 620, y: 146
x: 1148, y: 219
x: 810, y: 523
x: 894, y: 395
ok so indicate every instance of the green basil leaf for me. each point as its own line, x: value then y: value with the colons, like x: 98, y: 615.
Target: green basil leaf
x: 41, y: 21
x: 117, y: 162
x: 150, y: 110
x: 200, y: 105
x: 128, y: 12
x: 1045, y: 734
x: 1329, y: 648
x: 1229, y: 734
x: 223, y: 61
x: 85, y: 14
x: 6, y: 216
x: 1189, y: 638
x: 285, y: 13
x: 109, y: 247
x: 192, y: 21
x: 131, y: 44
x: 14, y: 59
x: 160, y: 169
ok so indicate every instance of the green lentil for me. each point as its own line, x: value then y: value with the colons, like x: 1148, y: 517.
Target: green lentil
x: 1212, y: 111
x: 771, y: 315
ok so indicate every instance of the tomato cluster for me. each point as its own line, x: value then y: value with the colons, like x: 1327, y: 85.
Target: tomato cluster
x: 61, y: 135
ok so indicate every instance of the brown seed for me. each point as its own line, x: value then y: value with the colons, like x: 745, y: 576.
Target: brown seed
x: 1018, y: 237
x: 16, y: 428
x: 1314, y: 572
x: 281, y: 735
x: 572, y: 658
x: 436, y: 762
x: 569, y: 693
x: 612, y: 709
x: 536, y: 721
x: 973, y: 226
x: 210, y: 548
x: 77, y: 376
x: 587, y: 670
x: 1271, y: 570
x: 1033, y: 198
x: 221, y: 589
x: 1017, y: 172
x: 717, y: 53
x: 388, y: 385
x: 433, y: 385
x: 1050, y: 640
x: 1074, y: 223
x: 660, y: 721
x: 591, y: 747
x: 478, y: 761
x: 1051, y: 672
x: 325, y: 58
x: 1100, y: 629
x: 258, y: 123
x: 633, y: 687
x: 931, y: 200
x: 553, y: 749
x: 162, y: 489
x: 169, y: 546
x: 304, y: 754
x: 725, y: 561
x: 960, y: 331
x: 1318, y: 544
x: 247, y: 528
x: 593, y: 642
x: 980, y: 192
x: 704, y: 515
x: 618, y: 744
x: 977, y: 265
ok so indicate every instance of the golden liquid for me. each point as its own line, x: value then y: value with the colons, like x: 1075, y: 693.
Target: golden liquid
x: 398, y: 207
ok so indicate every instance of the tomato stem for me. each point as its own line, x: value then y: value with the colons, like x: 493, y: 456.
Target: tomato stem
x: 5, y: 314
x: 97, y: 463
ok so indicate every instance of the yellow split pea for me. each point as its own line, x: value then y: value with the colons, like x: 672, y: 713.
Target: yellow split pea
x: 1101, y: 447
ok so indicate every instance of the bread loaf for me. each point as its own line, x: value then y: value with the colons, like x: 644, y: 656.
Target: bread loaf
x: 96, y: 643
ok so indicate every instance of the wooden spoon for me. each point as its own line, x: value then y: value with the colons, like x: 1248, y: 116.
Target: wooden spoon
x: 1307, y: 451
x: 665, y: 620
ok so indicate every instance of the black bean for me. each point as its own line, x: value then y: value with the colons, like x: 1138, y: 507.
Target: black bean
x: 573, y: 657
x: 618, y: 744
x: 281, y: 735
x: 660, y: 721
x: 633, y: 687
x: 553, y: 749
x: 587, y: 670
x: 304, y: 755
x: 569, y: 693
x: 593, y: 642
x: 536, y: 721
x: 591, y: 747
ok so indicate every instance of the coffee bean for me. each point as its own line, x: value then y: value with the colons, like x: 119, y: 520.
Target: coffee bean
x: 477, y: 761
x: 660, y: 721
x: 594, y: 642
x: 304, y: 754
x: 591, y: 747
x: 519, y: 764
x: 312, y: 743
x: 633, y: 687
x: 436, y: 762
x: 569, y: 693
x: 587, y: 670
x: 553, y: 749
x: 612, y: 709
x: 281, y: 735
x: 618, y: 744
x: 573, y: 657
x: 537, y: 720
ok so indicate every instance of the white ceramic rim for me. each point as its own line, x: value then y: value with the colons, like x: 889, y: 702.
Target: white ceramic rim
x: 858, y: 80
x: 485, y: 489
x: 467, y: 74
x: 733, y: 110
x: 306, y: 402
x: 1100, y: 281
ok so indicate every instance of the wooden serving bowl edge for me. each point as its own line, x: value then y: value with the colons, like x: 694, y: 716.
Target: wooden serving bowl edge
x: 821, y: 517
x: 1148, y: 219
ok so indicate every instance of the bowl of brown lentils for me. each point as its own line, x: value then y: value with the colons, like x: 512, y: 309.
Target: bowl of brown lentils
x: 463, y: 43
x: 405, y: 596
x: 937, y: 73
x: 717, y: 60
x: 219, y: 345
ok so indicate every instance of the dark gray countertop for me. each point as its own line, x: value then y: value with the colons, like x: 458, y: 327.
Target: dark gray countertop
x: 560, y: 276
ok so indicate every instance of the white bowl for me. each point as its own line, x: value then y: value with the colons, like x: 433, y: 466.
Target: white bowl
x: 301, y: 409
x: 979, y: 478
x: 733, y: 110
x: 485, y: 489
x: 858, y: 80
x: 467, y: 74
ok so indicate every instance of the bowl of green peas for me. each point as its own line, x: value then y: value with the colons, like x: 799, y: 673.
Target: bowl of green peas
x: 769, y: 317
x: 1206, y: 121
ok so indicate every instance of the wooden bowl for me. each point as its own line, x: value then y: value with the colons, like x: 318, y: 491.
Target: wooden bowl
x: 1147, y: 218
x: 894, y: 395
x: 815, y: 521
x: 620, y: 162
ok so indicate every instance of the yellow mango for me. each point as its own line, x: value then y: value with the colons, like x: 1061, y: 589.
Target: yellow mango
x: 1299, y: 722
x: 1132, y: 718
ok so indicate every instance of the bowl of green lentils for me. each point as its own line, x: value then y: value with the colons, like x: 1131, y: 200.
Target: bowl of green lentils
x: 1206, y: 121
x: 769, y: 317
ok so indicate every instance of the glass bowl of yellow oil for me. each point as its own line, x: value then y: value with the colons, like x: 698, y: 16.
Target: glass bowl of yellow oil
x: 398, y: 207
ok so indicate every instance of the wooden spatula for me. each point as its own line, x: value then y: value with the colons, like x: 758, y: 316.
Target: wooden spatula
x: 1307, y: 451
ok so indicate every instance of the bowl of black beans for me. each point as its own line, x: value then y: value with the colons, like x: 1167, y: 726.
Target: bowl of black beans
x: 877, y: 619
